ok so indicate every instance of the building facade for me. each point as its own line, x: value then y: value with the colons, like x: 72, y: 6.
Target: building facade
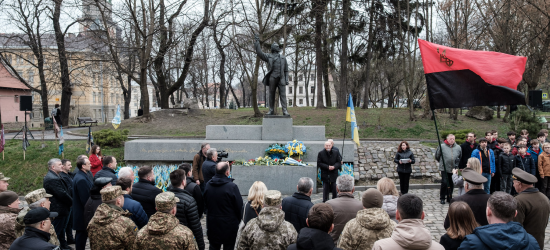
x: 11, y: 90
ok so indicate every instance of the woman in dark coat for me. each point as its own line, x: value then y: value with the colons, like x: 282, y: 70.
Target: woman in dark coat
x: 404, y: 158
x: 462, y: 223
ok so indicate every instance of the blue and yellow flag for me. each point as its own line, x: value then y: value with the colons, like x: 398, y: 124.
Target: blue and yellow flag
x: 116, y: 119
x: 350, y: 117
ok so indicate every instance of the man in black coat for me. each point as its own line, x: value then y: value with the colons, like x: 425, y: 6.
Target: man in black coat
x: 67, y: 177
x: 209, y: 165
x: 315, y: 236
x: 475, y: 196
x: 82, y: 183
x: 193, y: 188
x: 187, y: 212
x: 329, y: 162
x: 95, y: 198
x: 224, y: 206
x: 145, y: 191
x: 297, y: 206
x: 61, y: 200
x: 108, y: 170
x: 37, y: 231
x: 467, y: 148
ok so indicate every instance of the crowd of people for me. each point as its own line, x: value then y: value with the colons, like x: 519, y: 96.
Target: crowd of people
x: 112, y: 212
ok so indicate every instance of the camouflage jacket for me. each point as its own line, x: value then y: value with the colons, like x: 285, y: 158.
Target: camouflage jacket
x: 163, y: 231
x: 370, y: 225
x: 7, y: 226
x: 20, y: 227
x: 268, y: 231
x: 110, y: 228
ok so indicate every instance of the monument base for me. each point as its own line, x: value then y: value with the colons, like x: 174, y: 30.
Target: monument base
x: 283, y: 178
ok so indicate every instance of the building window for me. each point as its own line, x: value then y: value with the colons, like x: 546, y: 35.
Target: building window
x: 289, y: 78
x: 312, y: 90
x: 31, y: 77
x: 112, y: 98
x: 300, y: 90
x: 311, y: 77
x: 289, y: 89
x: 301, y: 102
x: 311, y: 101
x: 93, y: 99
x: 30, y: 58
x: 300, y: 78
x: 289, y: 102
x: 16, y: 98
x: 16, y: 118
x: 8, y: 58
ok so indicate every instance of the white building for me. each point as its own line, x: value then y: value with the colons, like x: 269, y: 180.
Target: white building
x: 136, y: 98
x: 311, y: 88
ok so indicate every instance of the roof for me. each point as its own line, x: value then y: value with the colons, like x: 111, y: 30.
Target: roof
x: 7, y: 80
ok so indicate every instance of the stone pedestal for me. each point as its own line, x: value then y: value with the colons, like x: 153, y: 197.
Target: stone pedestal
x: 282, y: 178
x: 277, y: 128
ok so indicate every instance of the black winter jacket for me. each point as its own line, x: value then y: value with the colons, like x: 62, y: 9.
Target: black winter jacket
x: 497, y: 151
x: 296, y: 208
x: 107, y: 172
x: 507, y: 162
x: 195, y: 191
x: 33, y: 239
x: 406, y: 167
x: 527, y: 163
x: 144, y: 192
x: 91, y: 206
x: 324, y: 160
x: 224, y: 205
x: 466, y: 153
x: 61, y: 201
x: 310, y: 238
x: 82, y: 183
x: 68, y: 179
x: 250, y: 213
x: 208, y: 170
x: 188, y: 215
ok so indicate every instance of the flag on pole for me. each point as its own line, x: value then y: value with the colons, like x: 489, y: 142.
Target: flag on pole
x: 459, y: 78
x: 90, y: 141
x: 2, y: 139
x: 61, y: 140
x: 116, y: 119
x: 25, y: 141
x: 350, y: 117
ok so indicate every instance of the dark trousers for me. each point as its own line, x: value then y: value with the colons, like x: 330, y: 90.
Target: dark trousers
x: 546, y: 186
x: 495, y: 183
x: 273, y: 84
x: 217, y: 246
x: 446, y: 192
x: 81, y: 237
x: 69, y: 228
x: 60, y: 224
x: 404, y: 182
x: 328, y: 188
x: 506, y: 183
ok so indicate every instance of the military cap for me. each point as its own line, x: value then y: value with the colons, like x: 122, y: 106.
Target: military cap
x: 473, y: 177
x: 37, y: 195
x: 3, y: 178
x: 102, y: 181
x: 272, y: 198
x: 523, y: 176
x: 165, y: 201
x: 111, y: 193
x: 37, y: 215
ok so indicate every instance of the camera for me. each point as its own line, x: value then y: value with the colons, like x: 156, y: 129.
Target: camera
x: 222, y: 154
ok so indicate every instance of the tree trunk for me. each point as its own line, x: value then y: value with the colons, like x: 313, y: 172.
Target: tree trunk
x: 343, y: 90
x: 66, y: 91
x: 319, y: 8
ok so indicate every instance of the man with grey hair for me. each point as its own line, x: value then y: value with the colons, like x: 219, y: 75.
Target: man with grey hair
x: 61, y: 200
x: 198, y: 160
x: 209, y: 165
x: 345, y: 207
x: 296, y: 207
x: 126, y: 172
x: 35, y: 199
x: 448, y: 155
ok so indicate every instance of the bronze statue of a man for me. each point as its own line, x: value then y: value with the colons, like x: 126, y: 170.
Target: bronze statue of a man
x: 276, y: 77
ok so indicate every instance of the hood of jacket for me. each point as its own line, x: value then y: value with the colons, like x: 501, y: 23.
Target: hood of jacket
x: 310, y: 238
x: 412, y: 234
x: 373, y: 218
x: 503, y: 236
x: 106, y: 214
x: 161, y: 223
x: 220, y: 180
x: 270, y: 218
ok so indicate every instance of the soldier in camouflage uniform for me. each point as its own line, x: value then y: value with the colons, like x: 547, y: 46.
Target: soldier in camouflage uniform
x: 111, y: 228
x: 32, y: 199
x: 164, y: 231
x: 269, y: 230
x: 3, y: 183
x: 9, y: 208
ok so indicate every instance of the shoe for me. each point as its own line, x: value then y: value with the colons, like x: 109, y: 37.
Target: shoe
x: 270, y: 112
x: 71, y: 242
x: 285, y: 112
x: 442, y: 201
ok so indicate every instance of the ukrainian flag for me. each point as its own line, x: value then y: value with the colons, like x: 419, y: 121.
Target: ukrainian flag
x: 350, y: 117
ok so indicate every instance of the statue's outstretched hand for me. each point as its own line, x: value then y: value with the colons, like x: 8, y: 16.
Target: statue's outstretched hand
x: 257, y: 38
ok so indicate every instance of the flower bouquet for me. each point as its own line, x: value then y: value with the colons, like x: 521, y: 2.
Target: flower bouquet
x: 295, y: 149
x: 276, y: 151
x: 260, y: 161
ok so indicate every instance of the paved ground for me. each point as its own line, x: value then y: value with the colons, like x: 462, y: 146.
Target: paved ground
x: 48, y: 135
x: 435, y: 213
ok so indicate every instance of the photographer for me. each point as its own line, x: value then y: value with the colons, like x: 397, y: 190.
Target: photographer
x: 209, y: 165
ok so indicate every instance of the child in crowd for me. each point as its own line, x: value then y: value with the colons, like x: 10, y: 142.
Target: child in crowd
x: 535, y: 151
x: 520, y: 142
x: 495, y: 180
x: 511, y: 138
x: 506, y: 163
x: 525, y: 134
x: 544, y: 168
x: 545, y: 131
x: 493, y: 142
x: 527, y: 162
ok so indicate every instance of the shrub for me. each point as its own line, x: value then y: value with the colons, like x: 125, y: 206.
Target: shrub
x: 460, y: 135
x: 523, y: 118
x: 110, y: 137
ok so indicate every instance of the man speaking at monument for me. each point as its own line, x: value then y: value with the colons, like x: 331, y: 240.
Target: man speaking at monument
x: 276, y: 77
x: 329, y: 163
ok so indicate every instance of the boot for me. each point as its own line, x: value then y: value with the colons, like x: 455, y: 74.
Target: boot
x: 270, y: 112
x: 285, y: 112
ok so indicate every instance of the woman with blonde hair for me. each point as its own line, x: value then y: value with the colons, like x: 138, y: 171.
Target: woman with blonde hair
x: 255, y: 201
x: 472, y: 163
x: 387, y: 187
x: 462, y: 223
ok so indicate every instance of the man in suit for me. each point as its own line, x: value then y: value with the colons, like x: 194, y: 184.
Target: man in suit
x: 329, y: 163
x: 82, y: 183
x: 276, y: 77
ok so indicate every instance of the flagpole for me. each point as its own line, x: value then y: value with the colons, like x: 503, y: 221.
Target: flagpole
x: 442, y: 158
x: 343, y: 140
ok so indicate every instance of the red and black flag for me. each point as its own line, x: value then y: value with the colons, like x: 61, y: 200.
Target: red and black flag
x: 466, y: 78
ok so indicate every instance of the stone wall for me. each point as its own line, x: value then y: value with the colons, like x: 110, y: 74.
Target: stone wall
x: 375, y: 161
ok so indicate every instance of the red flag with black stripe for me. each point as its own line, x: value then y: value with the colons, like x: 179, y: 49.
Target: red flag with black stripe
x: 466, y: 78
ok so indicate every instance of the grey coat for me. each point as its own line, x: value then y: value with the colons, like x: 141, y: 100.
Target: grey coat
x: 451, y: 156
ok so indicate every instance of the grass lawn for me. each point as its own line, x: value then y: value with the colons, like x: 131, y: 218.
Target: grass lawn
x: 373, y: 123
x: 26, y: 175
